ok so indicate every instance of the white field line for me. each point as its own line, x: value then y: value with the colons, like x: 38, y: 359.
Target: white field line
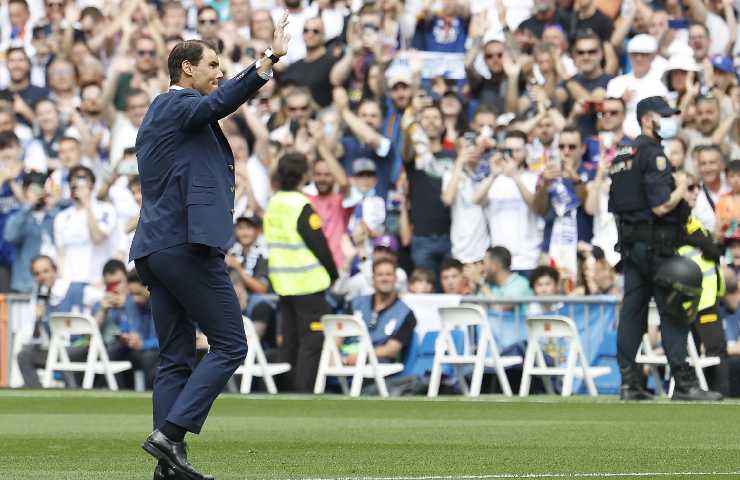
x: 539, y: 475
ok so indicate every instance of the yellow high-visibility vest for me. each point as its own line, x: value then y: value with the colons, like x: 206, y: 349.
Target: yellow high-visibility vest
x: 713, y: 284
x: 293, y: 268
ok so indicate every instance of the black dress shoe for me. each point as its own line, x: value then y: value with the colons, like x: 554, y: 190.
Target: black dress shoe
x: 174, y: 454
x: 631, y: 393
x: 163, y: 472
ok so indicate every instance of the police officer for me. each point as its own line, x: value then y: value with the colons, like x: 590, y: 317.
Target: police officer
x: 651, y: 213
x: 301, y: 269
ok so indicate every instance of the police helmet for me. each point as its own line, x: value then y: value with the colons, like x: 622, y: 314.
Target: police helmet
x: 682, y: 279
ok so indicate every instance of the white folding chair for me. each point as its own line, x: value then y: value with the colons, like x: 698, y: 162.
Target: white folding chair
x: 647, y: 356
x: 255, y: 364
x: 485, y: 354
x: 551, y: 327
x: 64, y: 325
x: 336, y: 329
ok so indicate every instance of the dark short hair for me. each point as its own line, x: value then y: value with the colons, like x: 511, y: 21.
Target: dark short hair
x: 290, y: 171
x: 93, y: 12
x: 8, y: 140
x: 189, y: 50
x: 449, y: 263
x: 81, y: 169
x: 501, y: 255
x: 699, y: 149
x: 733, y: 166
x: 44, y: 257
x: 585, y: 34
x: 543, y: 271
x: 112, y: 266
x: 572, y: 129
x: 17, y: 49
x: 382, y: 261
x: 517, y: 134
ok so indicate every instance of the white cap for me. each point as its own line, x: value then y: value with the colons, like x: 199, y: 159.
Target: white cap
x: 681, y: 61
x: 642, y: 43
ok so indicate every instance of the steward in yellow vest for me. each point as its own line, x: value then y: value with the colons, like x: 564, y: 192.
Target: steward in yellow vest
x: 708, y: 329
x: 301, y: 269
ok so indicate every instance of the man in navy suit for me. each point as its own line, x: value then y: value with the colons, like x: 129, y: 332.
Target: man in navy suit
x: 185, y: 228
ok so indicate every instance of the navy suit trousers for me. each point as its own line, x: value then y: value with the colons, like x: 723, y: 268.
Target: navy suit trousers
x: 189, y: 286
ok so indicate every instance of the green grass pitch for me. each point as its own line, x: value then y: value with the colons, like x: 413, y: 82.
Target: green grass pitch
x: 97, y: 435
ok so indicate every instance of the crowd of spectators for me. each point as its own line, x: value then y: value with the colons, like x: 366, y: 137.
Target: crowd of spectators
x: 467, y: 143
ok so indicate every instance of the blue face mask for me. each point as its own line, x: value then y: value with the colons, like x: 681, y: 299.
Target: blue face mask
x: 668, y: 128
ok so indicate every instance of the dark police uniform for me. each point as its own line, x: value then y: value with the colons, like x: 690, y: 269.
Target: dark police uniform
x: 642, y: 180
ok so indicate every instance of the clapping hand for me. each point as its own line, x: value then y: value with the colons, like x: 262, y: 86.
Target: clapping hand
x: 282, y: 38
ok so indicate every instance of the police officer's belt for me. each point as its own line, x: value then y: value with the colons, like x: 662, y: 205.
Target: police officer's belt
x: 663, y: 238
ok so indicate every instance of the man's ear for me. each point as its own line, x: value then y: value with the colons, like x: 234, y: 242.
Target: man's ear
x: 187, y: 67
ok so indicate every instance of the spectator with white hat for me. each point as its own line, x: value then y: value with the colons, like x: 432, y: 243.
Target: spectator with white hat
x: 642, y: 82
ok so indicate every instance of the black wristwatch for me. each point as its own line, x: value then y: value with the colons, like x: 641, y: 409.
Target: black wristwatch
x: 272, y: 56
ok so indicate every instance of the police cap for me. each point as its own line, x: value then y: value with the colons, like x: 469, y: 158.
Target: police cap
x: 655, y: 104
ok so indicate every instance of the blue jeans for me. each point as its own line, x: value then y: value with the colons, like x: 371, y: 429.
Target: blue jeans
x: 428, y: 251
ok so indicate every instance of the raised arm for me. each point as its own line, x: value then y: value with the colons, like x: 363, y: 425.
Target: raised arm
x: 199, y: 110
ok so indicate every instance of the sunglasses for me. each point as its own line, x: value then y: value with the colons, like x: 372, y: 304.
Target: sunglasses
x: 587, y: 52
x: 302, y: 108
x: 208, y: 21
x: 315, y: 31
x: 693, y: 187
x: 494, y: 55
x: 568, y: 146
x: 146, y: 53
x: 370, y: 26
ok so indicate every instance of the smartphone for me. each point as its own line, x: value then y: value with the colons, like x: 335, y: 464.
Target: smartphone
x: 678, y: 24
x: 470, y: 137
x: 506, y: 152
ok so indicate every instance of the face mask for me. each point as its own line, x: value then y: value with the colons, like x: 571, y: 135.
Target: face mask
x: 668, y: 128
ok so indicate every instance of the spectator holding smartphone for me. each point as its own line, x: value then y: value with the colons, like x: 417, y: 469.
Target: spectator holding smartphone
x: 83, y: 232
x: 29, y: 230
x: 507, y: 194
x: 468, y: 231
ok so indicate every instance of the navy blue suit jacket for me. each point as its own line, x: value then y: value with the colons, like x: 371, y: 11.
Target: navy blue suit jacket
x: 187, y: 167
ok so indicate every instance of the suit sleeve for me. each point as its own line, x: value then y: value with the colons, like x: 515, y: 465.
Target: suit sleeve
x: 315, y: 240
x: 201, y: 110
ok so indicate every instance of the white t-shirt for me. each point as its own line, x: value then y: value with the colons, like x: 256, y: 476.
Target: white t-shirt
x: 122, y: 136
x: 81, y: 260
x: 469, y: 230
x: 511, y: 223
x: 703, y: 209
x: 648, y: 86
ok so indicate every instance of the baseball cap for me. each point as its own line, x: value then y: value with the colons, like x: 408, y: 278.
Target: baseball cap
x: 255, y: 220
x: 363, y: 165
x: 400, y: 76
x: 684, y: 62
x: 655, y: 104
x: 642, y: 43
x: 723, y: 64
x: 387, y: 241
